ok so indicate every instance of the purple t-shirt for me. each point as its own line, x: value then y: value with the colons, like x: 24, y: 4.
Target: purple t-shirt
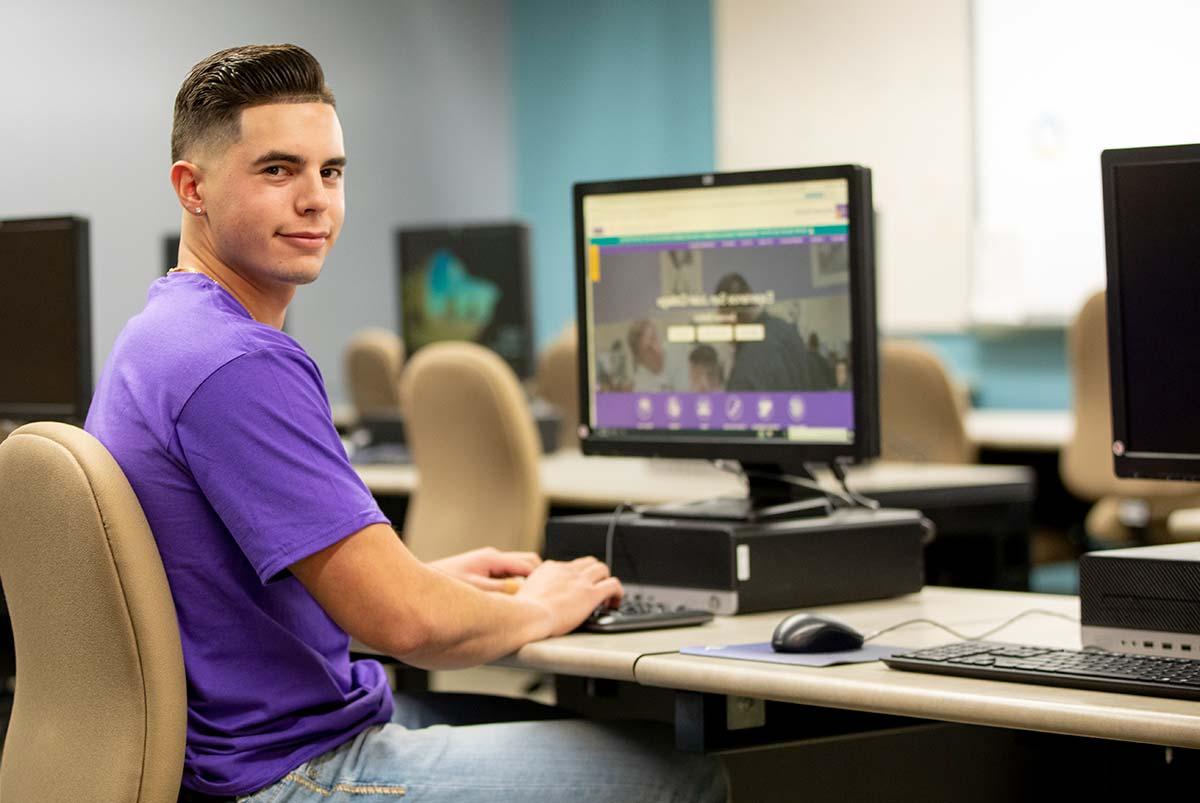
x: 223, y: 428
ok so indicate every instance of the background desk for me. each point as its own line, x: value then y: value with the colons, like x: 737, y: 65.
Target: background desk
x: 982, y: 512
x: 1020, y: 430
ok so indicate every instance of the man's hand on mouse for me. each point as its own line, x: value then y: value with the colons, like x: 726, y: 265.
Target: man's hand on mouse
x: 570, y: 591
x: 489, y: 568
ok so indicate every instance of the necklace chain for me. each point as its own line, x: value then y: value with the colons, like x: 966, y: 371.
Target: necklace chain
x: 218, y: 283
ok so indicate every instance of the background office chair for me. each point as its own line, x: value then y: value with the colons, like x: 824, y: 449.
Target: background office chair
x: 474, y: 444
x: 921, y: 413
x: 557, y: 382
x: 100, y: 708
x: 1124, y: 510
x: 372, y: 362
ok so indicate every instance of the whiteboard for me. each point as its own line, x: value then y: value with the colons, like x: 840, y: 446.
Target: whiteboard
x: 1055, y: 83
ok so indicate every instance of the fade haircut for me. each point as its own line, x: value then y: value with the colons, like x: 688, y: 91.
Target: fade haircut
x: 209, y: 104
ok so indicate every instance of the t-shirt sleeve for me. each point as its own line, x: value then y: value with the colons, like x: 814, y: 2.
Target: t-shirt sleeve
x: 259, y: 440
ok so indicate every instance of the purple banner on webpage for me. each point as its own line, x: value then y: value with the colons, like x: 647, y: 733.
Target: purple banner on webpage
x: 746, y: 242
x: 725, y: 411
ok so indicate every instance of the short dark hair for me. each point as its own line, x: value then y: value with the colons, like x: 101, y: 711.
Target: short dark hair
x: 733, y: 283
x: 704, y: 355
x: 209, y: 104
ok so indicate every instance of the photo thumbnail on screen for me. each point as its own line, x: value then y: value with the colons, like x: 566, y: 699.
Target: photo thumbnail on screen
x: 724, y: 310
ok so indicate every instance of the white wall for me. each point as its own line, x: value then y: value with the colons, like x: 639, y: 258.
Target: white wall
x: 423, y: 92
x: 883, y: 84
x: 1057, y: 82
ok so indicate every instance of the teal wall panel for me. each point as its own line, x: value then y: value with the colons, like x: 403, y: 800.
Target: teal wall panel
x: 602, y: 90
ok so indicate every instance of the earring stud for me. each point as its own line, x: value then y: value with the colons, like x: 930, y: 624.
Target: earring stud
x: 199, y: 211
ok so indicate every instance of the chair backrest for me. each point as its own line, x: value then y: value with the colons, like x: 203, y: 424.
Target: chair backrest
x: 920, y: 414
x: 100, y: 710
x: 558, y: 383
x: 474, y: 443
x: 1086, y: 461
x: 372, y: 361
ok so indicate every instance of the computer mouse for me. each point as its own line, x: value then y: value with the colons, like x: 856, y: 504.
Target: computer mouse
x: 810, y: 632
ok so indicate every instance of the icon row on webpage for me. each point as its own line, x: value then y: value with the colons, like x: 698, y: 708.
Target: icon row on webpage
x: 734, y: 407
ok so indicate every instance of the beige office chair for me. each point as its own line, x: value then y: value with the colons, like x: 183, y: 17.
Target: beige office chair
x: 1123, y: 507
x: 372, y: 363
x: 473, y: 441
x: 921, y: 413
x: 101, y: 703
x: 557, y: 382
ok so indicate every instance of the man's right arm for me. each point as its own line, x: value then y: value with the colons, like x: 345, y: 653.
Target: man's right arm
x: 379, y: 593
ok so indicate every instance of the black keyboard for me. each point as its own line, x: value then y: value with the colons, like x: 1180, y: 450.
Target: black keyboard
x: 1153, y: 675
x: 637, y: 614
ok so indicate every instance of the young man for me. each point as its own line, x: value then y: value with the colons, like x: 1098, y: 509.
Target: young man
x: 274, y: 549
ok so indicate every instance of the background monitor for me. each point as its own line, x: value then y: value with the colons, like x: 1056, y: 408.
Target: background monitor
x: 467, y: 283
x: 170, y: 252
x: 1152, y: 244
x: 45, y: 330
x: 729, y: 316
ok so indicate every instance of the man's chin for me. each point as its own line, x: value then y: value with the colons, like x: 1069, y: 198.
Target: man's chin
x: 298, y: 275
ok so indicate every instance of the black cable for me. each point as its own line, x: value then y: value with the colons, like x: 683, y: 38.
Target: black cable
x: 612, y: 527
x: 863, y: 501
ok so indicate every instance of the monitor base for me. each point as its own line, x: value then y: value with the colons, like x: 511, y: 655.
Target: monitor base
x: 773, y: 495
x: 741, y: 508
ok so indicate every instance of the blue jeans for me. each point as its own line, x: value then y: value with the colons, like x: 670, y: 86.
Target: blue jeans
x: 450, y: 747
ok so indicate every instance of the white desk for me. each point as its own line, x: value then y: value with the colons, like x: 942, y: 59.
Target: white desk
x: 1020, y: 430
x: 652, y: 659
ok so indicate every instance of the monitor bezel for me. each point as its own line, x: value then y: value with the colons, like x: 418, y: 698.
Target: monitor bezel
x: 1135, y: 464
x: 521, y: 232
x: 864, y: 342
x: 75, y: 411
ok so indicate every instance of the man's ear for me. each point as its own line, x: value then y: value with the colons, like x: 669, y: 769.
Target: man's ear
x: 186, y: 178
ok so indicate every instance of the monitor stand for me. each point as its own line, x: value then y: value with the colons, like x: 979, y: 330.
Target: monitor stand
x: 770, y: 498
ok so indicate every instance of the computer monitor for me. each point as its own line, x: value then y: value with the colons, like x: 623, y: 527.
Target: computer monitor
x: 729, y: 315
x: 170, y: 252
x: 467, y: 283
x: 1152, y: 245
x: 45, y: 329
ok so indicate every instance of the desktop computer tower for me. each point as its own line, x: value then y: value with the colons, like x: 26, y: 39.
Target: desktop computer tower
x: 732, y: 567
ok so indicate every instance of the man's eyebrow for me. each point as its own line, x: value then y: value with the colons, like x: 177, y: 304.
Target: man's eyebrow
x: 279, y: 156
x: 294, y: 159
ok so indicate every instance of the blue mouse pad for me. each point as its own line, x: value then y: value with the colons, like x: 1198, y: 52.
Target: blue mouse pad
x: 761, y: 651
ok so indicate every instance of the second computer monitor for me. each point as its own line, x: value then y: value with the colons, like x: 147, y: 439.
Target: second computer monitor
x: 1152, y: 231
x: 729, y: 316
x: 45, y: 328
x: 467, y: 283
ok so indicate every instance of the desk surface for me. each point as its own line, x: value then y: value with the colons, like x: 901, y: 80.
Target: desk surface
x: 652, y: 659
x: 1020, y: 430
x: 571, y: 479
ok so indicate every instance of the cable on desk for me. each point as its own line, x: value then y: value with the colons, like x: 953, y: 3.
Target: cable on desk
x: 612, y: 527
x: 839, y: 471
x: 958, y: 635
x: 788, y: 479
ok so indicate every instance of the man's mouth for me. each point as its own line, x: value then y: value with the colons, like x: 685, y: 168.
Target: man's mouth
x: 310, y: 240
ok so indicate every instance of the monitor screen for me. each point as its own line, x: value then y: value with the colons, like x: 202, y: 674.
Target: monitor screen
x: 729, y: 315
x: 468, y: 283
x: 1152, y: 231
x: 45, y: 331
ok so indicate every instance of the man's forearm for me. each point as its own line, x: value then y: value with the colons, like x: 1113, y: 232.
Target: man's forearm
x: 373, y: 587
x: 461, y: 626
